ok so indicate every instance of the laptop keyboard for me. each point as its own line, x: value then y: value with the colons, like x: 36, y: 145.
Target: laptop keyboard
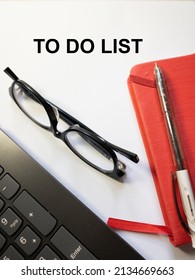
x: 43, y: 223
x: 40, y: 219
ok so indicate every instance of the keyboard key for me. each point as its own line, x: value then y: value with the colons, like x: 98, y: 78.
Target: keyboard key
x: 35, y: 213
x: 11, y: 254
x: 28, y: 241
x: 10, y: 222
x: 47, y: 254
x: 2, y: 241
x: 1, y: 203
x: 8, y: 186
x: 69, y: 246
x: 1, y: 170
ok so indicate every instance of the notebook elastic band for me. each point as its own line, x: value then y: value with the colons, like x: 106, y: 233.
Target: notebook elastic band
x: 138, y: 227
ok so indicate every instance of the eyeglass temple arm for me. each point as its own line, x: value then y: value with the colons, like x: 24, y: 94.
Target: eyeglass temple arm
x: 130, y: 155
x: 11, y: 74
x: 71, y: 121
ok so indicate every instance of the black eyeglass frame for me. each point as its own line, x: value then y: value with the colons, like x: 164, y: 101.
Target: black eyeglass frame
x: 75, y: 125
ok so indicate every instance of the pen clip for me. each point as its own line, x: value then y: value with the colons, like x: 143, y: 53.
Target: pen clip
x: 182, y: 221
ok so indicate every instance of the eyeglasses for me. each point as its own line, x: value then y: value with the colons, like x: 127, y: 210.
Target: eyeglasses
x: 84, y: 142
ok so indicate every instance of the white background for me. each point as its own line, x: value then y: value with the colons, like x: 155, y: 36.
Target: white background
x: 93, y: 88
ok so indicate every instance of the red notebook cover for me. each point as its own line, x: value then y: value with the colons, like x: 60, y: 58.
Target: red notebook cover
x: 179, y: 74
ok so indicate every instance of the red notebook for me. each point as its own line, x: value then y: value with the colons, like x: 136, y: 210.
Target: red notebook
x: 179, y: 74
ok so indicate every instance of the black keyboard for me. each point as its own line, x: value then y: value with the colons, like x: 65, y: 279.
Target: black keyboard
x: 40, y: 219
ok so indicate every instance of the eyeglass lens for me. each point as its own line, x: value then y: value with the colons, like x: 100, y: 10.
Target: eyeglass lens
x: 88, y: 148
x: 30, y: 105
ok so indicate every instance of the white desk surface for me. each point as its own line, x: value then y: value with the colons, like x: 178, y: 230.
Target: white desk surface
x: 93, y: 88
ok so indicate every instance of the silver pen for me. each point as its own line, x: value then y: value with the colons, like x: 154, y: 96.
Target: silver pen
x: 182, y: 175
